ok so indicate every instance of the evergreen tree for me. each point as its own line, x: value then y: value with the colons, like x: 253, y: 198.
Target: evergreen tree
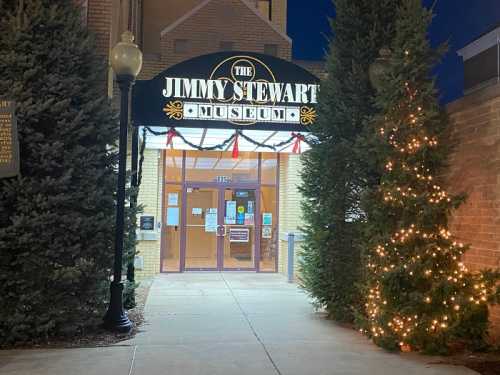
x: 420, y: 294
x: 130, y: 246
x: 57, y: 218
x: 333, y: 174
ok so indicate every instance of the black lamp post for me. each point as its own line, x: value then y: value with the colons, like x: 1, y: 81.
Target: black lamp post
x: 126, y: 60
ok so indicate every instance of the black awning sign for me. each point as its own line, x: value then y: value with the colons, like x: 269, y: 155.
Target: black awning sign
x: 9, y: 144
x: 239, y: 90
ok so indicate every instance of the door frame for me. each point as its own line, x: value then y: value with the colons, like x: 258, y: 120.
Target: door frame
x: 220, y: 188
x: 164, y: 180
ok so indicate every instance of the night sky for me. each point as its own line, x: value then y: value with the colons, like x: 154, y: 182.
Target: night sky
x: 458, y: 21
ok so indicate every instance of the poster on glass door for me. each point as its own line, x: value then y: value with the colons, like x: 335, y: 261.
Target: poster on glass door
x: 211, y: 220
x: 230, y: 213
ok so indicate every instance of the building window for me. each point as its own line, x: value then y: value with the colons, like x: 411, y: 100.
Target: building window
x: 265, y: 8
x: 271, y: 49
x: 181, y: 46
x: 226, y: 46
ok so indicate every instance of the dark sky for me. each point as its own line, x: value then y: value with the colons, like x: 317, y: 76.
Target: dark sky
x: 458, y: 21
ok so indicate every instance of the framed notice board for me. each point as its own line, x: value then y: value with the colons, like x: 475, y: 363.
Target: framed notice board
x: 9, y: 143
x: 147, y: 223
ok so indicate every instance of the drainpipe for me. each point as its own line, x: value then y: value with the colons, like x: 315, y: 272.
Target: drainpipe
x: 291, y: 254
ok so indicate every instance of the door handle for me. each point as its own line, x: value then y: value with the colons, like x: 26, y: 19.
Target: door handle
x: 221, y: 231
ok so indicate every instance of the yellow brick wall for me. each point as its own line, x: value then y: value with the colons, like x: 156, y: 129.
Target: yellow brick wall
x: 150, y: 197
x: 290, y: 215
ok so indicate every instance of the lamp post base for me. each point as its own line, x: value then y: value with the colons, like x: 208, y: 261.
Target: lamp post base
x: 116, y: 318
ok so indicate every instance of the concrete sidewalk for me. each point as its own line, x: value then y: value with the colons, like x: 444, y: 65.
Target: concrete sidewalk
x: 228, y: 324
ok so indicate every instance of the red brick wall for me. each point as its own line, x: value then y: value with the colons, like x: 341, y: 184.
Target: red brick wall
x: 475, y: 170
x: 99, y: 21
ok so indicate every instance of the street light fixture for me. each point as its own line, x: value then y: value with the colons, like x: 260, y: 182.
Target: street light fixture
x: 380, y: 68
x: 126, y: 60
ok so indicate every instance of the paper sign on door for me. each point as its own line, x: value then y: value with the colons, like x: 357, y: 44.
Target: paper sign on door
x: 173, y: 216
x: 239, y: 235
x: 211, y: 220
x: 267, y: 218
x: 230, y: 212
x: 173, y: 199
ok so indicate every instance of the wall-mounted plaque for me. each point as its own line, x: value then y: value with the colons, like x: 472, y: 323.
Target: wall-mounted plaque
x: 147, y: 223
x: 9, y: 144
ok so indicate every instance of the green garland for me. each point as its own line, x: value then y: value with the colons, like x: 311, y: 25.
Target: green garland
x: 224, y: 143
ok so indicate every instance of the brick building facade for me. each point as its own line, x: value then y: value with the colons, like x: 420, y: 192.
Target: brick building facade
x: 475, y: 160
x: 172, y: 31
x: 475, y: 170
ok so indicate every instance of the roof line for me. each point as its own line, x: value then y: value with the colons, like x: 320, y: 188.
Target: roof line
x: 184, y: 17
x: 200, y: 6
x: 481, y: 44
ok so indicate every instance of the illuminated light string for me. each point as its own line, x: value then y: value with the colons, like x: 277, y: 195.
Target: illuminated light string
x: 435, y: 244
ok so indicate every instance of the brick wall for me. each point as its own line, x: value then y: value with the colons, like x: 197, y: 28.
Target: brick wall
x: 150, y: 197
x: 158, y: 15
x: 316, y: 67
x: 221, y: 20
x: 99, y: 18
x: 289, y: 207
x: 475, y: 170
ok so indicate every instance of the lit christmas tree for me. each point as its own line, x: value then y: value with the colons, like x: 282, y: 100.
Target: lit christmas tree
x: 419, y: 295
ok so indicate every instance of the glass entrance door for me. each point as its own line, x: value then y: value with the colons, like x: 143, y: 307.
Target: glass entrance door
x: 202, y: 228
x: 220, y: 228
x: 238, y: 252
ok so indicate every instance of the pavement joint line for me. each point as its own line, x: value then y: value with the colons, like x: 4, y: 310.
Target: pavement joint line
x: 132, y: 362
x: 251, y: 327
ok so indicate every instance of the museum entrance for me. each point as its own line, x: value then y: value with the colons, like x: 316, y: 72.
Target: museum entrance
x: 220, y: 122
x: 220, y: 228
x: 220, y: 212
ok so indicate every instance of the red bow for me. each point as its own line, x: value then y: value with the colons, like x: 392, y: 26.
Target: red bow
x: 296, y: 145
x: 236, y: 150
x: 170, y: 136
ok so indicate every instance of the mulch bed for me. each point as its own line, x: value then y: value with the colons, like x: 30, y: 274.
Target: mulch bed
x: 483, y: 363
x: 98, y: 336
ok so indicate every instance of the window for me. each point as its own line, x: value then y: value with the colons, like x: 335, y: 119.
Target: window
x: 269, y: 168
x: 226, y: 46
x: 271, y: 49
x: 181, y: 46
x: 265, y: 8
x: 213, y: 166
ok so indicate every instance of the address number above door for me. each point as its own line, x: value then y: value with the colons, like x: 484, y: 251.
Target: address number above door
x: 240, y: 90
